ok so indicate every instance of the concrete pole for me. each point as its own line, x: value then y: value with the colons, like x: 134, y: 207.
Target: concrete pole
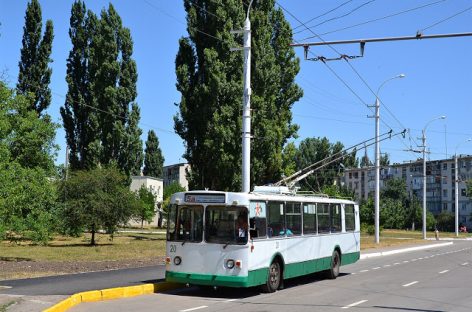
x: 424, y: 183
x: 456, y: 183
x: 246, y: 135
x: 377, y: 171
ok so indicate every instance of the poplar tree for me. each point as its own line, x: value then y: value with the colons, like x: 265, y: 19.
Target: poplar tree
x: 100, y: 114
x: 209, y: 78
x: 153, y: 158
x: 34, y: 74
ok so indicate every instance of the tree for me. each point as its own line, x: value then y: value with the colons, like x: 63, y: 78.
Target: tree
x: 446, y: 221
x: 27, y: 195
x: 34, y: 74
x: 384, y: 160
x: 172, y: 188
x: 100, y: 116
x: 289, y: 166
x: 153, y: 158
x: 95, y: 199
x: 313, y: 150
x: 146, y: 208
x: 209, y: 78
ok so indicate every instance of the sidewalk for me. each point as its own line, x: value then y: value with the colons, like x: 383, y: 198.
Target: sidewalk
x: 385, y: 251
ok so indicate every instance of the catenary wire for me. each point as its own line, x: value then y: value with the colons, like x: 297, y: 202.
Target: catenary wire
x: 336, y: 17
x: 376, y: 19
x: 325, y: 13
x: 445, y: 19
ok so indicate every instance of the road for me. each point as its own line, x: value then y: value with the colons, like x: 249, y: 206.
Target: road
x: 74, y: 283
x: 433, y: 280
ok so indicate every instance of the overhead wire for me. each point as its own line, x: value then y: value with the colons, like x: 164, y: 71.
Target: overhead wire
x: 376, y: 19
x: 337, y: 76
x: 337, y: 17
x: 446, y: 19
x: 323, y: 14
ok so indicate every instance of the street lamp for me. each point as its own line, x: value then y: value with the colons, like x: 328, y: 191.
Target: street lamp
x: 456, y: 184
x: 377, y: 157
x: 424, y: 172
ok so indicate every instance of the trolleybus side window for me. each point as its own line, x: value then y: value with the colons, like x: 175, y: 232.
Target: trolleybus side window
x: 350, y: 218
x: 322, y: 211
x: 186, y: 223
x: 276, y: 222
x: 335, y: 218
x: 293, y: 218
x: 309, y: 219
x: 226, y: 225
x: 257, y: 219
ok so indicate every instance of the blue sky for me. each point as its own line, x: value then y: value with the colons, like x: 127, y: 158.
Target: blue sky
x: 438, y: 71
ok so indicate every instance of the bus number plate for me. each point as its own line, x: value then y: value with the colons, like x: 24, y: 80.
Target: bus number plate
x: 173, y: 248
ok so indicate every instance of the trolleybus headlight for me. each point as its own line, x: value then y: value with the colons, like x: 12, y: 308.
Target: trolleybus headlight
x: 177, y: 260
x: 168, y: 260
x: 230, y: 264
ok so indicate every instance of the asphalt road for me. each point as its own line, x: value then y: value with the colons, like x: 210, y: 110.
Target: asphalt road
x: 74, y: 283
x: 433, y: 280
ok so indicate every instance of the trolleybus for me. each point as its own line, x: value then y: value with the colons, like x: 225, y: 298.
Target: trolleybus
x: 259, y: 238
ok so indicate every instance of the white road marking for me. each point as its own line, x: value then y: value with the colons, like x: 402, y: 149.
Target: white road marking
x: 5, y: 287
x: 354, y: 304
x: 443, y: 271
x: 409, y: 284
x: 465, y: 263
x: 387, y: 265
x: 193, y: 309
x: 362, y: 271
x: 376, y: 268
x: 406, y: 261
x: 396, y: 263
x: 413, y: 260
x: 420, y: 258
x: 230, y: 300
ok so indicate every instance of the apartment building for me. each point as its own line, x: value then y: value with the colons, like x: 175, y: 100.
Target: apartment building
x: 176, y: 173
x: 156, y: 186
x: 440, y: 183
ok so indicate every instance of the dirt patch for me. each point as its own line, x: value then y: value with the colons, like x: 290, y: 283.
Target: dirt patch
x: 26, y: 269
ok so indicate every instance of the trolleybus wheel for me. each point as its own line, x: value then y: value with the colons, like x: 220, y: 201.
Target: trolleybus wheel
x: 333, y: 272
x: 273, y: 278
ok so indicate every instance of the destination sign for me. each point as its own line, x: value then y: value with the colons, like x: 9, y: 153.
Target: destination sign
x: 205, y: 198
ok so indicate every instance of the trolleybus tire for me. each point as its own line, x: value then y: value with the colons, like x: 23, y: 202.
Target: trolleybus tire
x: 273, y: 278
x: 333, y: 272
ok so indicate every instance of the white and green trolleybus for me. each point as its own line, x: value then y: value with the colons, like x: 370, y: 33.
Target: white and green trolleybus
x: 258, y: 238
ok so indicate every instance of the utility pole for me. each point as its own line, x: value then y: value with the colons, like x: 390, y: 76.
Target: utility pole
x: 377, y: 159
x: 246, y: 131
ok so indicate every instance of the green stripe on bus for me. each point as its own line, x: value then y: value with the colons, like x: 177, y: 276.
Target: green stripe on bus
x: 259, y: 276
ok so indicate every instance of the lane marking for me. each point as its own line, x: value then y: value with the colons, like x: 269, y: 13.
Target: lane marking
x: 230, y: 300
x: 363, y: 271
x: 413, y: 260
x: 376, y: 268
x: 5, y: 287
x: 465, y: 263
x: 387, y: 265
x: 406, y: 261
x: 420, y: 258
x: 409, y: 284
x: 396, y: 263
x: 193, y: 309
x: 353, y: 304
x: 443, y: 271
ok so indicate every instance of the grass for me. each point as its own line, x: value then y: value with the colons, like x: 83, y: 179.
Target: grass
x: 138, y: 246
x: 125, y: 246
x: 389, y: 238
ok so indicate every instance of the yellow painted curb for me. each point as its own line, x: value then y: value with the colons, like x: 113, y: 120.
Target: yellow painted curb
x: 111, y: 293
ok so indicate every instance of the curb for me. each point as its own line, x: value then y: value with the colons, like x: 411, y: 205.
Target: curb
x: 396, y: 251
x: 111, y: 293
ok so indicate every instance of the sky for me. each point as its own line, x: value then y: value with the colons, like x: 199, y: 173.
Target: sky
x: 438, y: 72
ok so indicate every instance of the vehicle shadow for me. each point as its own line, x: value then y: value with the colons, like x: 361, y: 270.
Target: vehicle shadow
x: 228, y: 293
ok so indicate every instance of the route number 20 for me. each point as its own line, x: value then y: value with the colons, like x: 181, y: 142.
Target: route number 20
x: 173, y: 248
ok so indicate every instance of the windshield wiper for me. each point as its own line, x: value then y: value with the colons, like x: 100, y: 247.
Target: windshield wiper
x: 226, y: 244
x: 183, y: 243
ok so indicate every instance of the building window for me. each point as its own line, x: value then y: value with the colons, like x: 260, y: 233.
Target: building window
x: 444, y: 193
x: 463, y: 192
x: 464, y: 206
x: 445, y: 166
x: 356, y: 175
x: 444, y: 206
x: 350, y: 175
